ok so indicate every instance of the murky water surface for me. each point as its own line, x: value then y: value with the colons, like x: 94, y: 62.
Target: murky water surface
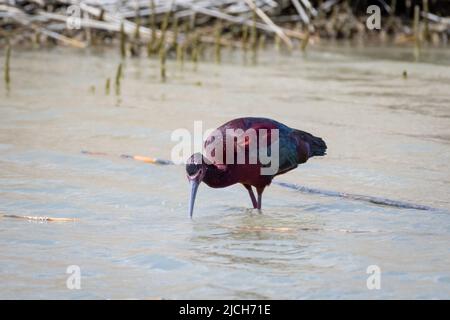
x: 387, y: 136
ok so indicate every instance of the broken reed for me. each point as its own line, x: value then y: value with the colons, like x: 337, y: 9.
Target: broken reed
x: 277, y: 43
x: 151, y: 44
x: 164, y: 26
x: 244, y: 38
x: 7, y: 65
x: 118, y: 78
x: 416, y: 32
x: 254, y: 39
x: 427, y: 28
x: 175, y: 31
x: 191, y: 24
x: 162, y: 62
x: 137, y: 34
x: 176, y: 43
x: 305, y: 42
x: 262, y: 42
x: 217, y: 37
x: 181, y: 47
x: 135, y: 46
x: 195, y: 49
x: 107, y: 86
x: 180, y: 54
x: 123, y: 39
x: 37, y: 39
x: 162, y: 45
x: 88, y: 31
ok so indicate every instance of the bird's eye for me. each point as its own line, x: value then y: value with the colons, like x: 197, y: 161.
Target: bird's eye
x: 193, y: 169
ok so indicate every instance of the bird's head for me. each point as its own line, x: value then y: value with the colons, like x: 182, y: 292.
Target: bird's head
x: 195, y: 170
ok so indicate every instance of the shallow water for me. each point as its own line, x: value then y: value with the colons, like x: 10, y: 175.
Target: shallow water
x: 387, y: 137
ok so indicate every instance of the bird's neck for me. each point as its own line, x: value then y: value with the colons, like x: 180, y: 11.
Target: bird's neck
x: 218, y: 177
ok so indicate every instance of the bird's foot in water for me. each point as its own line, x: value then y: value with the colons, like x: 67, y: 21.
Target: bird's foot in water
x: 252, y: 211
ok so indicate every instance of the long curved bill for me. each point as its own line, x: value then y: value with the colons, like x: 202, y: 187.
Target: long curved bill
x: 194, y: 187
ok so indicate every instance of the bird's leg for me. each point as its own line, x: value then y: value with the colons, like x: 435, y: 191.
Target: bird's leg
x: 260, y: 192
x: 252, y: 195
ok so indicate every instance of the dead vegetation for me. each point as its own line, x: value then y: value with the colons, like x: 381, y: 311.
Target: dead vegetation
x: 148, y: 26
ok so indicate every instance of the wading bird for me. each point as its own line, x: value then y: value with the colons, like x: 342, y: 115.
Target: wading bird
x: 291, y: 146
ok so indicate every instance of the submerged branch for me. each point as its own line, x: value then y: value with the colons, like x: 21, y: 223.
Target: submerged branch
x: 39, y: 218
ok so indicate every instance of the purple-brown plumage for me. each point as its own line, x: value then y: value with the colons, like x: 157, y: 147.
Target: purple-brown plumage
x: 294, y: 147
